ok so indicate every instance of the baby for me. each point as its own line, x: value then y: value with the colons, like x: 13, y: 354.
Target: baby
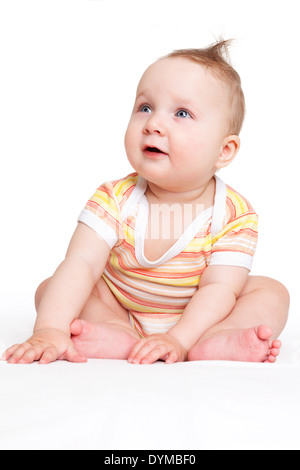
x: 158, y: 266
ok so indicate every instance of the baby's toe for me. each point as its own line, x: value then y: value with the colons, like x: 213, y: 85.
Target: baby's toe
x: 276, y: 344
x: 274, y: 352
x: 271, y: 359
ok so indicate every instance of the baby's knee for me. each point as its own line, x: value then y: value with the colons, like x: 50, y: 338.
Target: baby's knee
x: 269, y: 286
x: 277, y: 290
x: 40, y: 292
x: 276, y: 295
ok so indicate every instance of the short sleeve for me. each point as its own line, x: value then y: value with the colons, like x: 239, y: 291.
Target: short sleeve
x: 236, y: 244
x: 102, y: 214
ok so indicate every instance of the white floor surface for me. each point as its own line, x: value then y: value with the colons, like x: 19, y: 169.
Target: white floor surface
x: 115, y: 405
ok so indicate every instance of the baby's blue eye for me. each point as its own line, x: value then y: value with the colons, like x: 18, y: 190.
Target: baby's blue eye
x: 145, y: 109
x: 183, y: 113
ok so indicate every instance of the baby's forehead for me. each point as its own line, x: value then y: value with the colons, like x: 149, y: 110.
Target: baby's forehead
x: 168, y: 66
x: 181, y: 73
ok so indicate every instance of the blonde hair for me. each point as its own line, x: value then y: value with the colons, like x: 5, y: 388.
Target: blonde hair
x: 215, y: 59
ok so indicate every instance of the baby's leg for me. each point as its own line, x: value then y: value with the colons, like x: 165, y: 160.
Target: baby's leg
x: 249, y: 333
x: 103, y: 329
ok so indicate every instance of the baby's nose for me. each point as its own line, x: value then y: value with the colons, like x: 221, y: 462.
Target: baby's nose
x: 154, y: 126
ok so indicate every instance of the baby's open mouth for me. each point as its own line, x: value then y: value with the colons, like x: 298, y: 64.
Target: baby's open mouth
x: 154, y: 150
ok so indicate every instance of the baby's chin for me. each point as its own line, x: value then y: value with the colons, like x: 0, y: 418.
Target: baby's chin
x: 164, y: 175
x: 157, y: 172
x: 167, y: 180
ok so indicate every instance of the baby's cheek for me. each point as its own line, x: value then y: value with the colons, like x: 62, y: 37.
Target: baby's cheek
x: 128, y: 139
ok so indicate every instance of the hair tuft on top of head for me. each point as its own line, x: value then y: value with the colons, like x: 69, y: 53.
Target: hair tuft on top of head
x: 217, y: 52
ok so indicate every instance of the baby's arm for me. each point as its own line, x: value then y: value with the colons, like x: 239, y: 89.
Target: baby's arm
x: 218, y: 290
x: 63, y: 301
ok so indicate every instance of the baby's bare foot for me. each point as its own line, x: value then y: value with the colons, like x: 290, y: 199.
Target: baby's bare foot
x: 249, y: 345
x: 102, y: 340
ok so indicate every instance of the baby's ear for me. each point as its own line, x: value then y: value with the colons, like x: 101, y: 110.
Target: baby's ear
x: 230, y: 148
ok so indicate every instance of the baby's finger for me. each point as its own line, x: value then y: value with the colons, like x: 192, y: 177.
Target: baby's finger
x: 136, y: 348
x: 156, y: 353
x: 18, y: 353
x: 142, y: 352
x: 6, y: 355
x: 49, y: 355
x: 172, y: 357
x: 33, y: 354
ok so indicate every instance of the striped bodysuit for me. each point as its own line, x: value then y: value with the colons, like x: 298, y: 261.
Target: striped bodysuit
x: 156, y: 292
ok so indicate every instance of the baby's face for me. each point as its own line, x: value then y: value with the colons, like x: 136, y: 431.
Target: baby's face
x: 178, y: 125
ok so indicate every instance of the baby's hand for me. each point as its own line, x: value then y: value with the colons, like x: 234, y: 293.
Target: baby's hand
x: 44, y: 346
x: 155, y: 347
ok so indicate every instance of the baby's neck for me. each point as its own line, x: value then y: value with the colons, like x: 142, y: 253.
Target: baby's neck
x: 181, y: 197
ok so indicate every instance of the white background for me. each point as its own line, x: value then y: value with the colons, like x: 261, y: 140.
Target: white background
x: 68, y: 75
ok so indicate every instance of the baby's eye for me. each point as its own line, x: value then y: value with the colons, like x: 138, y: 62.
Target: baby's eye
x: 145, y: 109
x: 183, y: 114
